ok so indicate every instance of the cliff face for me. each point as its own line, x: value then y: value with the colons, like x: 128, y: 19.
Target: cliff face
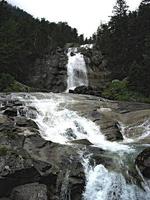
x: 50, y: 72
x: 98, y: 74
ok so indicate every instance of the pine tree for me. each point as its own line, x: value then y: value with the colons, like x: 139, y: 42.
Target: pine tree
x: 145, y: 2
x: 121, y: 8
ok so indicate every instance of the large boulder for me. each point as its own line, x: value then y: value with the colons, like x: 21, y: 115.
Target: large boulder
x: 85, y: 90
x: 16, y: 169
x: 33, y: 191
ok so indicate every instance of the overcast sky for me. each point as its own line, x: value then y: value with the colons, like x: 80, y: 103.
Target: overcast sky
x: 85, y: 15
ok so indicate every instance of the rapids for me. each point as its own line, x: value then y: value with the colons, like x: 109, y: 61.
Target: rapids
x: 59, y: 123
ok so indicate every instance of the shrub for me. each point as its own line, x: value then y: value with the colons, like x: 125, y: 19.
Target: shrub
x: 3, y: 151
x: 6, y: 80
x: 119, y: 90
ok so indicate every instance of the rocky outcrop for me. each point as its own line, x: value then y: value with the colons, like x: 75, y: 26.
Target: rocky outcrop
x: 85, y: 90
x: 143, y: 162
x: 50, y: 73
x: 33, y: 168
x: 98, y: 74
x: 33, y: 191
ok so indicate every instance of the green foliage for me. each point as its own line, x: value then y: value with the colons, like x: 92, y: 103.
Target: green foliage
x: 9, y: 84
x: 23, y: 39
x: 6, y: 81
x: 3, y: 151
x: 117, y: 90
x: 125, y: 47
x: 11, y: 135
x: 120, y: 8
x: 17, y: 87
x: 120, y: 90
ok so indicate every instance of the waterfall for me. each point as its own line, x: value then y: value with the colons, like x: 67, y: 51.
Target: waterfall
x: 76, y: 69
x: 105, y: 185
x: 60, y: 124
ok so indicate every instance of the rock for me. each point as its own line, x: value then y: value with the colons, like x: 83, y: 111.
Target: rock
x: 29, y: 111
x: 97, y: 70
x: 82, y: 141
x: 24, y: 122
x: 50, y: 72
x: 10, y: 112
x: 85, y: 90
x: 57, y: 161
x: 72, y: 54
x: 143, y: 162
x: 16, y: 168
x: 3, y: 119
x: 34, y: 191
x: 29, y: 164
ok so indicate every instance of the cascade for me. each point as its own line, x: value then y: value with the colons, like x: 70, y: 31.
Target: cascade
x: 60, y: 124
x: 76, y: 69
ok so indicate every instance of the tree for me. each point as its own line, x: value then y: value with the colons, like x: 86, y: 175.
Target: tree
x: 121, y: 8
x: 145, y: 2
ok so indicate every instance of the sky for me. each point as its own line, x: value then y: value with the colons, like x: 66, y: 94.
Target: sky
x: 85, y: 15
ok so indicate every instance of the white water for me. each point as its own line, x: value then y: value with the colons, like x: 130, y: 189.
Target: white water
x: 144, y: 131
x: 61, y: 125
x: 105, y: 185
x: 87, y: 46
x: 76, y: 69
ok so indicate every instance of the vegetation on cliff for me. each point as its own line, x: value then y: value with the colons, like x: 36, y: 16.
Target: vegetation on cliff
x: 23, y: 39
x: 120, y: 90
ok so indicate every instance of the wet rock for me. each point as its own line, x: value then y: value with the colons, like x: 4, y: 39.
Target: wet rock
x: 3, y: 119
x: 70, y: 134
x: 143, y: 162
x: 30, y: 112
x: 27, y: 159
x: 24, y: 122
x: 16, y: 168
x: 82, y: 141
x: 11, y: 139
x: 11, y: 112
x: 110, y: 128
x: 34, y: 191
x: 85, y: 90
x: 72, y: 54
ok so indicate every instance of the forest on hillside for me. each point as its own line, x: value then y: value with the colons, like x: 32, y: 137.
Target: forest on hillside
x: 125, y: 43
x: 23, y: 39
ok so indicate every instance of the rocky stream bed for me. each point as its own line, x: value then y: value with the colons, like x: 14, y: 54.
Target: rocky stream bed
x: 34, y: 166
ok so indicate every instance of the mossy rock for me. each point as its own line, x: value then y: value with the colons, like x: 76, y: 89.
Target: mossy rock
x: 3, y: 151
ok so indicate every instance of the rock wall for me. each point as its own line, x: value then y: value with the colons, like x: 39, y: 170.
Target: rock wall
x: 98, y: 74
x: 50, y: 72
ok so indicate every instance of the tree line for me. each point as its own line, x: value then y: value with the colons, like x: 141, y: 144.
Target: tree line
x: 23, y: 39
x: 125, y: 43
